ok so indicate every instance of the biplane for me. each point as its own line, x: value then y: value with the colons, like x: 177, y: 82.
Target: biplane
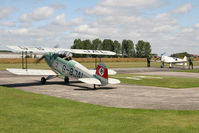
x: 62, y: 65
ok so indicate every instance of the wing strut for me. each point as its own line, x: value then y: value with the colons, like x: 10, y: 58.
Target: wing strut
x: 100, y: 60
x: 26, y: 61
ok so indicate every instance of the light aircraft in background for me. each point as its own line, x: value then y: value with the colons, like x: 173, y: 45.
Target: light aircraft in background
x: 171, y: 61
x: 62, y: 65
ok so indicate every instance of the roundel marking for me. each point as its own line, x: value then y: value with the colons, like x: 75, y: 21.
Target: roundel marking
x: 101, y: 71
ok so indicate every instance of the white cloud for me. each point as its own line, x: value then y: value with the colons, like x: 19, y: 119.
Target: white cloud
x: 183, y: 9
x: 25, y: 24
x: 61, y: 19
x: 99, y: 10
x: 5, y: 12
x: 164, y: 28
x: 76, y: 21
x: 21, y: 31
x: 38, y: 14
x: 129, y: 3
x: 58, y: 6
x: 197, y: 25
x: 86, y: 29
x: 8, y: 24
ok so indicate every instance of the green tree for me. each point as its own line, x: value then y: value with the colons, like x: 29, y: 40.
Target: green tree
x: 96, y: 44
x: 86, y: 44
x: 107, y: 45
x: 143, y: 49
x: 77, y: 44
x: 128, y: 48
x: 117, y: 47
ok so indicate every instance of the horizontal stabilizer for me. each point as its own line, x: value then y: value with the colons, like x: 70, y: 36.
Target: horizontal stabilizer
x: 90, y: 81
x: 30, y: 71
x: 110, y: 72
x: 113, y: 81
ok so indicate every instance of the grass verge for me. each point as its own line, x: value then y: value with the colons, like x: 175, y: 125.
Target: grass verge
x: 24, y: 112
x: 192, y: 71
x: 158, y: 81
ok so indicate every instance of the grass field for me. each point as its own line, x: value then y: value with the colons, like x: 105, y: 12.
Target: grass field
x: 23, y: 112
x: 3, y: 66
x: 192, y: 71
x: 158, y: 81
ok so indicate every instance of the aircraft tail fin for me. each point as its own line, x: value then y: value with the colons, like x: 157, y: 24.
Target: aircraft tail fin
x: 102, y: 73
x: 185, y: 58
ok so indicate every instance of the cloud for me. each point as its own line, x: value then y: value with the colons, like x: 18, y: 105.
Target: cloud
x: 99, y: 10
x: 60, y: 20
x: 5, y: 12
x: 8, y: 24
x: 76, y: 21
x: 129, y: 3
x: 183, y: 9
x: 58, y: 6
x: 38, y: 14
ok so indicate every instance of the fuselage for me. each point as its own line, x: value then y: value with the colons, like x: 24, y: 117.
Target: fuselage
x: 168, y: 59
x: 69, y: 68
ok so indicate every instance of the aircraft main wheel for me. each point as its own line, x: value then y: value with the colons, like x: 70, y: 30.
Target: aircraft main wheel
x: 66, y: 79
x: 94, y: 86
x: 43, y: 80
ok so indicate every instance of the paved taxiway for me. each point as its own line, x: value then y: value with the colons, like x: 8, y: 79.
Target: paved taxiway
x: 124, y: 96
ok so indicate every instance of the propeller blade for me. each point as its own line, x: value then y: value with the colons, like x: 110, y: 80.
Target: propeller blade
x: 56, y: 46
x: 163, y: 53
x: 38, y: 60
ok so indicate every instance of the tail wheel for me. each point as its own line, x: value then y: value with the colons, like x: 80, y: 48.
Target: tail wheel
x: 43, y: 80
x: 66, y: 79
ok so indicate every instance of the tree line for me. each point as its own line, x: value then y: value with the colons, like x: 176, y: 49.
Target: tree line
x: 127, y: 49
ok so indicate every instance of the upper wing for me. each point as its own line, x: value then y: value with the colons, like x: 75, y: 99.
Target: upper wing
x: 94, y: 52
x: 55, y: 50
x: 30, y: 71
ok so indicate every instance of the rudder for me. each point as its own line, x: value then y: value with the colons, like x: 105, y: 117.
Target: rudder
x: 102, y: 73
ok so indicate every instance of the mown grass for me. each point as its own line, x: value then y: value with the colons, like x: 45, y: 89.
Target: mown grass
x: 23, y: 112
x: 163, y: 81
x: 43, y: 65
x: 189, y: 70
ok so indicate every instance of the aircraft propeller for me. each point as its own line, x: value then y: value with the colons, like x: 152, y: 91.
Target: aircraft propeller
x: 41, y: 58
x: 162, y: 54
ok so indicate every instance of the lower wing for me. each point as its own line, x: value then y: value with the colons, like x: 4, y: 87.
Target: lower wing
x: 31, y: 71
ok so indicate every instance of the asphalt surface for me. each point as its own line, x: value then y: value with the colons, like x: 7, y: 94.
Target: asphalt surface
x: 122, y: 95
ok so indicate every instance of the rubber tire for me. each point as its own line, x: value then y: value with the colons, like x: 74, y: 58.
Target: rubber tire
x: 66, y: 79
x: 94, y: 87
x: 43, y: 80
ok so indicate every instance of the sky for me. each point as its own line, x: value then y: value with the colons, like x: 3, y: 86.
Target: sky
x: 170, y: 26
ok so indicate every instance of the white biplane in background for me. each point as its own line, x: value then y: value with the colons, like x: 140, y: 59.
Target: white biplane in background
x: 171, y: 61
x: 61, y: 63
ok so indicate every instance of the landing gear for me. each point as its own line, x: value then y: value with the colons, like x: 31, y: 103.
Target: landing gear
x: 43, y: 80
x: 170, y: 66
x: 66, y: 80
x: 162, y: 65
x: 94, y: 86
